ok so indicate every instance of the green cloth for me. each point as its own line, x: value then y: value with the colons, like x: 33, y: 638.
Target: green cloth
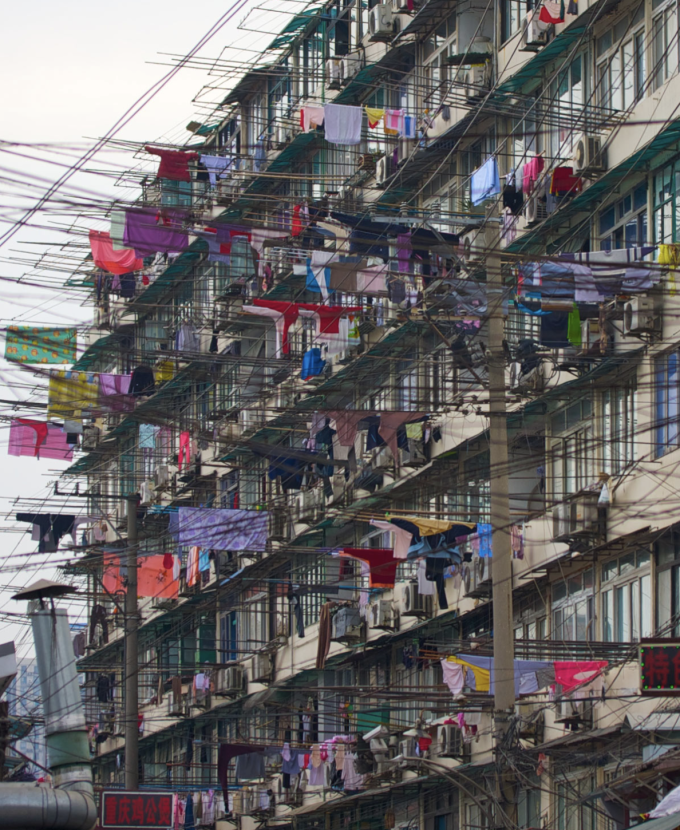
x: 29, y: 344
x: 574, y: 327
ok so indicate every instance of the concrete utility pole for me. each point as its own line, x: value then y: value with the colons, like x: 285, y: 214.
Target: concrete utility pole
x: 131, y: 657
x: 503, y: 640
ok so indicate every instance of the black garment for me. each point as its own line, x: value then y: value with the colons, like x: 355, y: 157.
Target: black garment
x: 190, y: 754
x: 402, y: 438
x: 127, y: 285
x: 434, y: 572
x: 72, y: 438
x: 296, y: 611
x: 368, y: 244
x: 396, y: 290
x: 103, y: 688
x: 289, y: 470
x: 52, y: 528
x: 213, y: 345
x: 324, y: 441
x: 373, y: 437
x: 513, y: 199
x: 554, y: 328
x: 142, y: 382
x: 98, y: 617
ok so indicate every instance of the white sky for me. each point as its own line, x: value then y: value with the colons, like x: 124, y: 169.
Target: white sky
x: 69, y: 71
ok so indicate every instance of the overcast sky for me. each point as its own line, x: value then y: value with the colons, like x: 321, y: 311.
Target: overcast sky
x: 70, y: 70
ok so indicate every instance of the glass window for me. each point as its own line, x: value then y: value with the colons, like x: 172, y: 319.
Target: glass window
x: 666, y: 402
x: 626, y: 609
x: 624, y: 225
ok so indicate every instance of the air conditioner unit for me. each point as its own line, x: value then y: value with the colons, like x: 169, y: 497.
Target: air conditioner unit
x: 583, y: 513
x: 381, y: 21
x: 561, y: 520
x: 483, y: 570
x: 161, y: 476
x: 414, y: 456
x: 91, y: 437
x: 263, y: 668
x: 413, y: 604
x: 350, y: 66
x: 535, y: 211
x: 639, y: 316
x: 404, y: 149
x: 230, y: 680
x: 334, y: 73
x: 279, y: 525
x: 383, y: 168
x: 590, y: 334
x: 588, y: 155
x: 382, y: 459
x: 449, y: 741
x: 175, y: 707
x: 199, y: 698
x: 381, y: 615
x: 535, y: 34
x: 476, y: 81
x: 472, y: 247
x: 407, y: 747
x: 575, y: 713
x: 346, y: 625
x: 400, y: 6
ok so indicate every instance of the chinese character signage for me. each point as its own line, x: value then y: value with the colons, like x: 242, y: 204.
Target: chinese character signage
x: 125, y: 809
x: 660, y: 667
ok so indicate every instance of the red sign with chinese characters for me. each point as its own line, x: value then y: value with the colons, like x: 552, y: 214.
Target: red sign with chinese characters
x: 660, y: 667
x: 126, y: 809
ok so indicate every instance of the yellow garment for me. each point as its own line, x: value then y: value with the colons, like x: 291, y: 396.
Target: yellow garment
x: 414, y: 430
x: 70, y: 393
x: 374, y: 115
x: 165, y: 370
x: 429, y: 527
x: 482, y: 676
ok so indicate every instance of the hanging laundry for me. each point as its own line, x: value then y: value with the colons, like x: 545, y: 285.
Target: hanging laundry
x: 311, y: 117
x: 48, y: 528
x: 174, y: 163
x: 217, y: 167
x: 164, y: 371
x: 192, y: 566
x: 113, y: 392
x: 312, y: 364
x: 402, y: 538
x: 148, y: 230
x: 117, y: 230
x: 290, y: 312
x: 485, y: 181
x: 142, y: 381
x: 374, y: 115
x: 38, y: 440
x: 71, y: 393
x: 154, y: 579
x: 531, y: 173
x: 222, y: 529
x: 318, y: 272
x: 563, y: 181
x: 453, y: 675
x: 108, y: 259
x: 409, y: 127
x: 620, y: 271
x: 184, y: 456
x: 381, y: 562
x: 215, y: 253
x: 572, y: 673
x: 30, y: 344
x: 394, y: 122
x: 552, y: 12
x: 187, y: 338
x: 342, y: 124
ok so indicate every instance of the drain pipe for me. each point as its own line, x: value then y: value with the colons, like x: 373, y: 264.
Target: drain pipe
x: 70, y: 805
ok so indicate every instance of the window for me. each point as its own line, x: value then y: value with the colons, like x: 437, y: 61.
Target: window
x: 252, y: 623
x: 228, y: 637
x: 624, y: 224
x: 572, y: 450
x: 435, y: 51
x: 664, y: 41
x: 666, y: 402
x: 573, y: 608
x: 565, y: 99
x: 573, y: 812
x: 619, y: 427
x: 668, y: 586
x: 667, y: 204
x: 529, y: 807
x: 621, y: 64
x: 513, y: 15
x: 626, y: 598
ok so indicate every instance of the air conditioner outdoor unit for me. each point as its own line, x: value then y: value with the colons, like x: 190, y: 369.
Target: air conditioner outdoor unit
x: 483, y: 570
x: 583, y: 513
x: 577, y: 713
x: 588, y: 155
x: 449, y: 741
x: 535, y: 211
x: 407, y: 747
x: 412, y: 603
x: 382, y: 459
x: 175, y: 707
x: 638, y: 315
x: 381, y: 615
x: 472, y: 249
x: 381, y: 21
x: 590, y: 334
x: 346, y: 625
x: 334, y: 72
x: 414, y: 455
x: 561, y: 520
x: 161, y: 476
x: 263, y: 668
x: 230, y: 680
x: 350, y: 66
x: 476, y: 81
x: 383, y: 168
x: 199, y: 698
x: 535, y: 34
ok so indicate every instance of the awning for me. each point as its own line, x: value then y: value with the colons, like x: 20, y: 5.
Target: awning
x: 663, y: 823
x: 100, y: 348
x: 420, y: 237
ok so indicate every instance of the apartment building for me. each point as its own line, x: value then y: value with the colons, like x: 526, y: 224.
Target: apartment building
x: 307, y: 427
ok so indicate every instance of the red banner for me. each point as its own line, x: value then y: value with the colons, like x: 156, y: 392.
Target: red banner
x: 128, y: 809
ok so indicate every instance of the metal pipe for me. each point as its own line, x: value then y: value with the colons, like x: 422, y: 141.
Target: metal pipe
x: 28, y: 806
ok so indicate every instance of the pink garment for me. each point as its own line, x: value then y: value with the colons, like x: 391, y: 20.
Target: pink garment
x: 394, y: 120
x: 184, y: 450
x: 346, y: 422
x: 38, y: 440
x: 311, y: 117
x: 192, y: 566
x: 114, y: 261
x: 113, y: 392
x: 532, y: 170
x: 372, y: 280
x: 390, y: 423
x: 402, y: 538
x: 572, y: 673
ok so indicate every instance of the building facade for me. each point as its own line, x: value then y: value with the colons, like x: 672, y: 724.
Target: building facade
x: 307, y: 427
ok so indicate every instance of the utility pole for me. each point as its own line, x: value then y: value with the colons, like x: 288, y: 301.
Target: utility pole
x: 503, y: 641
x: 131, y: 657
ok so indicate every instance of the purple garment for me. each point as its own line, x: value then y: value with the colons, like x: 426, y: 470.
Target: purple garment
x: 226, y: 233
x: 214, y: 254
x: 404, y: 252
x: 23, y: 440
x: 113, y: 392
x: 149, y: 231
x: 223, y: 529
